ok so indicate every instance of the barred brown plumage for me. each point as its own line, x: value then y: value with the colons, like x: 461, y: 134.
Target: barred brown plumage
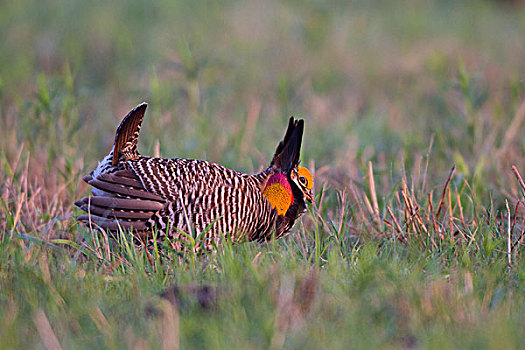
x: 171, y: 196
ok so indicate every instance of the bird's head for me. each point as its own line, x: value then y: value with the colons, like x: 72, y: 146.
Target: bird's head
x: 302, y: 177
x: 290, y: 185
x: 279, y: 192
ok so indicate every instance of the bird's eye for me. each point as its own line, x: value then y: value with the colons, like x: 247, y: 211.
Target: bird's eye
x: 302, y: 180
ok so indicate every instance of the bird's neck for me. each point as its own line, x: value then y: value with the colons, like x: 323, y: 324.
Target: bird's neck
x: 279, y: 193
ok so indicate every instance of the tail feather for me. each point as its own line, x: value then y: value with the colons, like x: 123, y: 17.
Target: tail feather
x: 124, y: 191
x: 125, y: 146
x: 122, y: 203
x: 114, y: 213
x: 119, y: 200
x: 288, y: 151
x: 120, y: 177
x: 113, y: 225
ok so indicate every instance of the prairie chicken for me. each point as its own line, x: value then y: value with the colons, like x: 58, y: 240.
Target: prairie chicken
x: 172, y: 196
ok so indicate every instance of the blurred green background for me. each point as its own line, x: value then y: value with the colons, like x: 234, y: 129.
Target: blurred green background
x: 413, y: 87
x: 372, y: 79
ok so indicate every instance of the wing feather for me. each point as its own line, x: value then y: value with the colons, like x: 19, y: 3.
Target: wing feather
x: 119, y: 200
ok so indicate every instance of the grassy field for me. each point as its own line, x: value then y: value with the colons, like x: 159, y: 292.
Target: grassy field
x: 414, y: 113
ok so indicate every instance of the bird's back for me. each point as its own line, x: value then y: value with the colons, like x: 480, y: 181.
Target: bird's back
x: 204, y: 197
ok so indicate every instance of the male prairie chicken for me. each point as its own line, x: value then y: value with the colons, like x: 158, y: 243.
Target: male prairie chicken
x: 172, y: 196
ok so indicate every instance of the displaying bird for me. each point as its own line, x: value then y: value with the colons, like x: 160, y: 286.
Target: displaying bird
x: 179, y: 197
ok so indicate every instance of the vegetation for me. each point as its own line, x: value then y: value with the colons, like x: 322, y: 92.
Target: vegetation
x: 414, y: 116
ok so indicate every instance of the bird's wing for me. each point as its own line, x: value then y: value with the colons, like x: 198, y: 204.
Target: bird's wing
x: 119, y: 200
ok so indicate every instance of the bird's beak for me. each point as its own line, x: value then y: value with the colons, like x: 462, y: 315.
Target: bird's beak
x: 309, y: 196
